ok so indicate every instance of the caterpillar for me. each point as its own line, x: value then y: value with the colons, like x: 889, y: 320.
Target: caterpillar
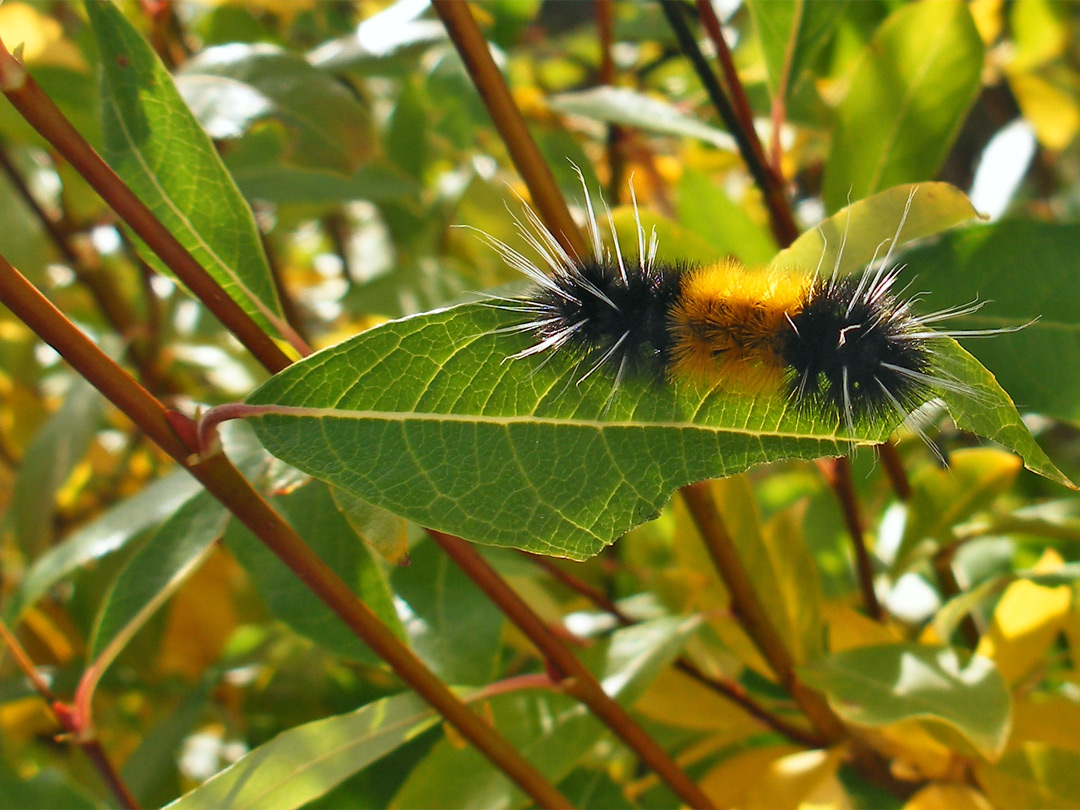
x: 850, y: 346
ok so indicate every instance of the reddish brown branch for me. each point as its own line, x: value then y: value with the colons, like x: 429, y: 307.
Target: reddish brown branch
x: 548, y: 202
x: 75, y: 725
x: 226, y: 484
x: 580, y: 681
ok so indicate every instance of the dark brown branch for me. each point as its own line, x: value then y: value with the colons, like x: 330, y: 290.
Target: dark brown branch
x: 780, y: 219
x: 837, y: 472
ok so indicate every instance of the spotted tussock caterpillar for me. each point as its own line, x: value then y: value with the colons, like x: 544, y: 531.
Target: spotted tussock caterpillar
x: 849, y: 346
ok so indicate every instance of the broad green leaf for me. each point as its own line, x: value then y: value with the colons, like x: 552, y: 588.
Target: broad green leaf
x: 619, y: 105
x: 552, y: 732
x: 311, y: 511
x: 231, y: 88
x: 866, y: 228
x: 908, y: 96
x: 422, y: 417
x: 48, y: 462
x: 706, y: 211
x: 123, y: 522
x: 1023, y: 270
x: 154, y: 573
x: 450, y: 623
x: 942, y: 498
x: 1035, y: 775
x: 155, y: 144
x: 303, y: 763
x: 792, y: 32
x: 878, y: 686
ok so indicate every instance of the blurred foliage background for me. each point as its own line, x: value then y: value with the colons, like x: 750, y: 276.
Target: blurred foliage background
x: 359, y: 141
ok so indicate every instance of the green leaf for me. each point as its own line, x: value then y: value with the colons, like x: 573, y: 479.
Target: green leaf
x: 310, y: 509
x: 792, y: 32
x: 1023, y: 270
x: 303, y: 763
x: 155, y: 144
x: 48, y: 462
x: 123, y: 522
x: 46, y: 789
x: 881, y: 685
x: 452, y: 625
x: 1034, y: 775
x: 909, y: 94
x: 384, y: 531
x: 618, y: 105
x: 233, y: 87
x: 706, y: 211
x: 865, y: 228
x: 155, y: 573
x: 422, y: 417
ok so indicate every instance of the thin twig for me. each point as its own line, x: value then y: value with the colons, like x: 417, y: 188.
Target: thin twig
x: 606, y: 76
x: 75, y: 726
x: 780, y: 219
x: 583, y: 684
x: 225, y: 483
x: 548, y: 202
x: 837, y: 472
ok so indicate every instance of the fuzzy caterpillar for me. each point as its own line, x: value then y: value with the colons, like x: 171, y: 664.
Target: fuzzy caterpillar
x: 849, y: 346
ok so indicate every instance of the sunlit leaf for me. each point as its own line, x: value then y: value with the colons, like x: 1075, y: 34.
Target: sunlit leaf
x: 792, y: 32
x: 305, y: 762
x: 908, y: 95
x: 155, y: 144
x: 1035, y: 775
x: 876, y: 686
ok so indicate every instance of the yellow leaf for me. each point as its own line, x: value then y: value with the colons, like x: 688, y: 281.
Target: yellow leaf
x: 41, y: 36
x: 201, y: 618
x: 916, y: 753
x: 678, y: 700
x: 728, y: 784
x: 1053, y: 112
x: 1033, y: 775
x: 25, y: 718
x: 1026, y: 622
x: 948, y: 796
x: 988, y: 19
x: 848, y: 629
x: 1054, y: 720
x: 778, y: 776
